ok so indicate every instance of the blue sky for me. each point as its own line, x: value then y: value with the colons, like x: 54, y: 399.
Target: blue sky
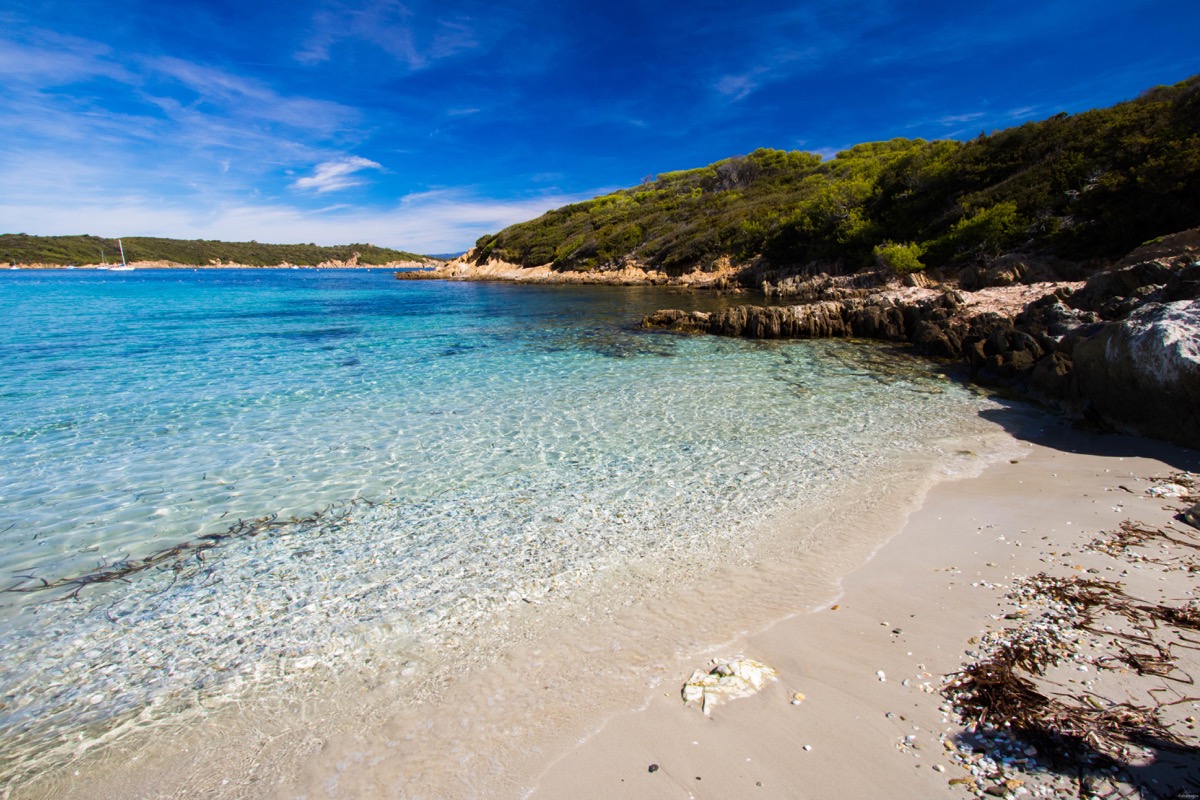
x: 422, y: 125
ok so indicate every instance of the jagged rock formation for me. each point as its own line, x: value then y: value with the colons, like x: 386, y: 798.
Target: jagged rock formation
x: 874, y: 317
x: 1122, y: 349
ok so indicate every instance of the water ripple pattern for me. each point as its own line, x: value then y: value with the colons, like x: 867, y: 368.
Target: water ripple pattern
x: 512, y: 442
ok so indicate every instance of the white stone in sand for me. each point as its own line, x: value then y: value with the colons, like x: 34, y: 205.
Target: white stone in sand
x: 727, y: 680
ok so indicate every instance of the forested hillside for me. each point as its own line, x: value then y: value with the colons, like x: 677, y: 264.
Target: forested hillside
x: 1083, y: 186
x: 80, y: 250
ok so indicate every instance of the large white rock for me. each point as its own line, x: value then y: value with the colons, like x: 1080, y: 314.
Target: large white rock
x: 1142, y: 373
x: 1164, y: 340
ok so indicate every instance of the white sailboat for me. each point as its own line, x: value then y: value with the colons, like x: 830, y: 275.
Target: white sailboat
x: 124, y: 267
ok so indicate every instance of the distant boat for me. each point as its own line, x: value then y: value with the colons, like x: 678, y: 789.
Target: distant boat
x: 124, y: 267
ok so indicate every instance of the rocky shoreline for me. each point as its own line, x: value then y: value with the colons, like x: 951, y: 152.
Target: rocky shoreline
x: 1121, y: 349
x: 724, y: 277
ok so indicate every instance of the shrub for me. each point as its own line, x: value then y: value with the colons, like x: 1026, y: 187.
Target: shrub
x: 899, y: 258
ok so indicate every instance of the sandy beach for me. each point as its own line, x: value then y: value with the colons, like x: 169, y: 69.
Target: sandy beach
x: 861, y: 636
x: 908, y: 615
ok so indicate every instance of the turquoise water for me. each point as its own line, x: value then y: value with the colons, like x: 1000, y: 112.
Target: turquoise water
x: 425, y: 455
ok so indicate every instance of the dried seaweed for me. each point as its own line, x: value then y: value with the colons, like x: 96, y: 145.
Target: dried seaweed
x: 1129, y: 536
x: 993, y: 691
x: 1185, y: 616
x: 1000, y: 690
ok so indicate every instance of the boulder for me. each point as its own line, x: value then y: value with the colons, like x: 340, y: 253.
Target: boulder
x: 810, y: 321
x: 1006, y: 271
x: 917, y: 280
x: 1052, y: 317
x: 1192, y: 516
x: 1051, y: 382
x: 1184, y: 283
x: 936, y: 340
x: 675, y: 320
x: 1165, y: 271
x: 879, y: 320
x: 1014, y: 268
x: 1142, y: 374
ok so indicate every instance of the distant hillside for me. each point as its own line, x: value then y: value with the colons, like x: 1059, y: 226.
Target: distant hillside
x: 82, y: 250
x: 1091, y: 185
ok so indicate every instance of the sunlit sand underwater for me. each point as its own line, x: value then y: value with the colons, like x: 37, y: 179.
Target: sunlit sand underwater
x: 214, y: 485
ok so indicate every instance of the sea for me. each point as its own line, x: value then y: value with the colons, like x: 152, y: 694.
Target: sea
x: 222, y: 489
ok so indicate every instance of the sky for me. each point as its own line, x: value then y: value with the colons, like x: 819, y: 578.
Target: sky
x: 423, y: 125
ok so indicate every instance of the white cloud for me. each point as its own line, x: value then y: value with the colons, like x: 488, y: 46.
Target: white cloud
x: 736, y: 86
x: 333, y: 175
x: 957, y: 119
x: 55, y: 60
x: 780, y: 45
x: 413, y: 36
x: 1024, y: 112
x: 245, y: 98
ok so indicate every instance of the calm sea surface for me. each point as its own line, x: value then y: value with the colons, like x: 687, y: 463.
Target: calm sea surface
x: 360, y: 465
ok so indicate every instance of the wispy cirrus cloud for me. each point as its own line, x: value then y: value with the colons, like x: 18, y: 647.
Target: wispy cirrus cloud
x: 247, y: 98
x: 73, y: 107
x: 1024, y: 112
x: 737, y: 87
x: 780, y: 45
x: 957, y: 125
x: 50, y: 59
x: 160, y: 101
x: 334, y: 175
x: 405, y: 31
x: 958, y: 119
x: 781, y: 65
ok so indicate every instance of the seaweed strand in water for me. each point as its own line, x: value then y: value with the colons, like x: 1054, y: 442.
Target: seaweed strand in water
x: 176, y: 557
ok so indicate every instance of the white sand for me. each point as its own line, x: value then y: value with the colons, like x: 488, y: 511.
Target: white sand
x: 583, y: 711
x: 991, y: 528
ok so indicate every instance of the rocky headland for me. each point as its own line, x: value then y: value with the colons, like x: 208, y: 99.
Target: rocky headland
x: 1120, y: 349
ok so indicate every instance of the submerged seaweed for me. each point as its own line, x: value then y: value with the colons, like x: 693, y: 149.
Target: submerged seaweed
x: 183, y: 559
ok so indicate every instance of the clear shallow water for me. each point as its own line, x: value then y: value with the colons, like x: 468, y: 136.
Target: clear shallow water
x: 513, y: 442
